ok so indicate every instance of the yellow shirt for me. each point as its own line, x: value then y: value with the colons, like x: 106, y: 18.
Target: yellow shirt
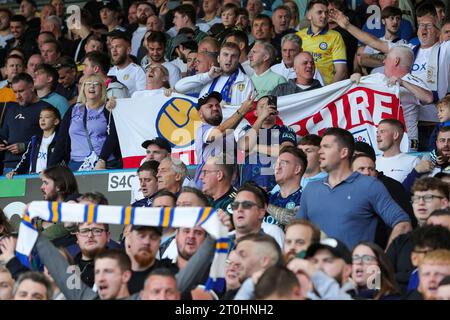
x: 327, y: 48
x: 7, y: 95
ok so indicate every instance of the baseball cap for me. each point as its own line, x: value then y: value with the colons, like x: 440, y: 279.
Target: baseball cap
x: 158, y: 230
x: 336, y: 247
x: 180, y: 38
x: 203, y: 100
x: 110, y: 4
x: 160, y: 142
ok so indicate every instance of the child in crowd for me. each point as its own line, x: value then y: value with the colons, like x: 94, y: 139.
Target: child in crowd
x: 40, y: 147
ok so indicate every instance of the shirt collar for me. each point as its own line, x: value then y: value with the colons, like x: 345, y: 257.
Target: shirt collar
x: 310, y: 32
x: 349, y: 179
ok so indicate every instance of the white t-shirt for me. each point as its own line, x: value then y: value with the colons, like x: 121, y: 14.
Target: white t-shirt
x: 133, y: 76
x: 41, y: 162
x: 419, y: 69
x: 147, y: 93
x: 136, y: 40
x: 411, y: 105
x: 397, y: 167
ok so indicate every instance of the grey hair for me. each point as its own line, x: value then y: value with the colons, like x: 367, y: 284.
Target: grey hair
x: 293, y: 38
x: 286, y: 8
x: 37, y: 277
x: 55, y: 19
x: 178, y: 166
x: 269, y: 49
x: 405, y: 53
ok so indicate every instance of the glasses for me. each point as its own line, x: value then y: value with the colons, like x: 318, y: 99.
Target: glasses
x: 364, y: 259
x: 427, y: 198
x: 427, y: 26
x: 94, y: 83
x: 205, y: 172
x: 245, y: 204
x: 97, y: 232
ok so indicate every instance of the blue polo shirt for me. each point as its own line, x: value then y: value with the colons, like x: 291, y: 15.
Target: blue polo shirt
x: 349, y: 211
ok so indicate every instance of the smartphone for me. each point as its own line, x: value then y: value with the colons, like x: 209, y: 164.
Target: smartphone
x: 272, y: 101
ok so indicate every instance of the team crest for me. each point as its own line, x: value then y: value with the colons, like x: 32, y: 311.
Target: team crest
x: 323, y: 45
x: 241, y: 87
x: 126, y: 77
x: 177, y: 121
x: 290, y: 205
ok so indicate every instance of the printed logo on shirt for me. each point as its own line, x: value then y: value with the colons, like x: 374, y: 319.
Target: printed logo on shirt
x: 177, y: 122
x: 290, y: 205
x: 241, y: 87
x: 126, y: 77
x: 323, y: 45
x: 19, y: 116
x: 419, y: 67
x: 42, y: 155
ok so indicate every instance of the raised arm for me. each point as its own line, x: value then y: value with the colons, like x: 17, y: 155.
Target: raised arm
x: 362, y: 36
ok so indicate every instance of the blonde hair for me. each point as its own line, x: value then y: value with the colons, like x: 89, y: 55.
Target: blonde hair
x: 444, y: 102
x: 439, y: 256
x: 92, y: 77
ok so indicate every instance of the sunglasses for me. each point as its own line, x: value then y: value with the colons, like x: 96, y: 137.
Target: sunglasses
x: 245, y: 204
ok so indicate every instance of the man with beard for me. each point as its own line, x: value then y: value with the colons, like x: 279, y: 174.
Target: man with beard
x: 188, y: 197
x: 156, y: 45
x: 435, y: 267
x: 20, y: 120
x: 228, y: 79
x: 438, y: 161
x: 92, y: 238
x: 212, y: 137
x: 112, y: 273
x: 22, y: 39
x: 257, y: 253
x: 124, y: 69
x: 142, y: 244
x: 328, y: 265
x: 143, y: 11
x: 300, y: 234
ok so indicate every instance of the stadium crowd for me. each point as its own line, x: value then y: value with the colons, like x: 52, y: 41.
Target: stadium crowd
x: 309, y: 217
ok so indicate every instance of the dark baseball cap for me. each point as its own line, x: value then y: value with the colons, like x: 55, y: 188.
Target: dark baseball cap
x: 110, y: 4
x: 203, y: 100
x: 158, y: 230
x: 160, y: 142
x: 336, y: 247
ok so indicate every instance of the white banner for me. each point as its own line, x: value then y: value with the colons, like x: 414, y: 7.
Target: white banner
x: 357, y: 108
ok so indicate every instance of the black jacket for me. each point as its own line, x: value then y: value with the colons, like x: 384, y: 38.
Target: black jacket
x: 19, y: 125
x: 402, y: 198
x: 29, y: 158
x: 291, y: 87
x: 399, y: 252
